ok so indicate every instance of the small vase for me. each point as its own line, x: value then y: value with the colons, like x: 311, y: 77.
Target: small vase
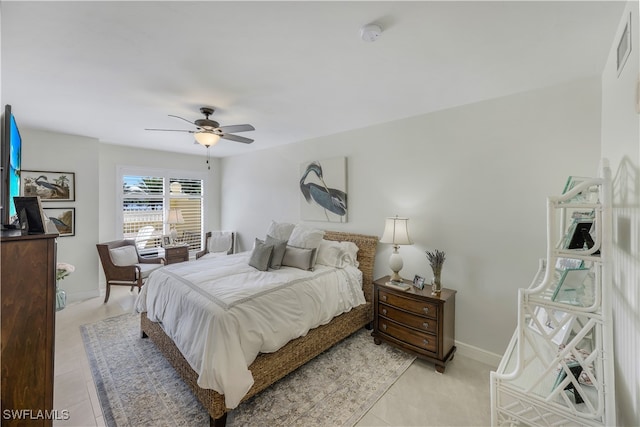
x: 436, y: 286
x: 61, y: 298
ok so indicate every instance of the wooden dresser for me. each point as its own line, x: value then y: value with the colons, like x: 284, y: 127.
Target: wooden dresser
x: 27, y: 291
x: 416, y: 321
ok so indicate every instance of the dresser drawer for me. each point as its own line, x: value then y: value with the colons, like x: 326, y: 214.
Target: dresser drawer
x: 419, y: 322
x: 421, y: 340
x: 423, y: 308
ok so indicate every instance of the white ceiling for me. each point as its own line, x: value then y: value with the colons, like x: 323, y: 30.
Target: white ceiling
x: 294, y: 70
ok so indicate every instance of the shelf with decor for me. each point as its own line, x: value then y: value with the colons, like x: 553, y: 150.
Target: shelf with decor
x: 558, y: 366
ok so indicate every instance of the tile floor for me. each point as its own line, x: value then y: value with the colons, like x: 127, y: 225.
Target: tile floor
x: 420, y: 397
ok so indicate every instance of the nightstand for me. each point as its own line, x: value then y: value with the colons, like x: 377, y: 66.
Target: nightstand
x: 174, y: 254
x: 415, y: 321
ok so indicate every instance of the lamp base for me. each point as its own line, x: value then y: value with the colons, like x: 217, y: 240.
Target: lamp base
x: 395, y: 264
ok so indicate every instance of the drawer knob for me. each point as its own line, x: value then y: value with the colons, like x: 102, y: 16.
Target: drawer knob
x: 383, y: 297
x: 425, y: 341
x: 384, y: 311
x: 426, y: 325
x: 384, y: 326
x: 425, y: 309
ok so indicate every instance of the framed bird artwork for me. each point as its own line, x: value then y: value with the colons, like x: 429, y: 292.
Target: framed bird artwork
x: 323, y: 188
x: 50, y: 186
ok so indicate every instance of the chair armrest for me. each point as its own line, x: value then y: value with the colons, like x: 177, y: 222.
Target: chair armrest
x: 157, y: 260
x: 124, y: 273
x: 205, y: 250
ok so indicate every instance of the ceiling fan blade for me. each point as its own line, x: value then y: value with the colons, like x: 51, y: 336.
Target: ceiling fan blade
x: 173, y: 130
x: 236, y: 128
x: 182, y: 118
x: 236, y: 138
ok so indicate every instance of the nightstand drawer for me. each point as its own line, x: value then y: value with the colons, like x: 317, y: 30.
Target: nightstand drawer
x: 423, y: 308
x: 409, y: 319
x: 421, y: 340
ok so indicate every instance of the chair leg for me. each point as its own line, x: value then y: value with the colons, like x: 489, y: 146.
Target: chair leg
x: 106, y: 297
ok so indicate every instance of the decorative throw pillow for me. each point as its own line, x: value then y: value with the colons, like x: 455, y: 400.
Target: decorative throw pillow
x: 307, y: 238
x: 261, y: 255
x: 124, y: 255
x: 279, y: 246
x: 298, y: 257
x: 280, y: 230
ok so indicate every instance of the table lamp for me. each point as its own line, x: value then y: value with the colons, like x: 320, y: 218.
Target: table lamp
x: 396, y: 233
x: 175, y: 217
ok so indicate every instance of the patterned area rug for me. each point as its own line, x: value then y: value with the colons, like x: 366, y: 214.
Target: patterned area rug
x: 138, y: 387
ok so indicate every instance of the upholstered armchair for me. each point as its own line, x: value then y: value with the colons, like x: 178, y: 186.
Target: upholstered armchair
x: 123, y: 265
x: 218, y: 243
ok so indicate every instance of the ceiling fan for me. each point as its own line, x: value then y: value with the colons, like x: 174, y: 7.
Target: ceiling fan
x: 209, y: 132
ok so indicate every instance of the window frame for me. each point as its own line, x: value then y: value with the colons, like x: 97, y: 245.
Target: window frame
x: 166, y: 174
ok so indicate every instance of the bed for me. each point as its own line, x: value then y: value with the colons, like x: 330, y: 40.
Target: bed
x: 267, y: 368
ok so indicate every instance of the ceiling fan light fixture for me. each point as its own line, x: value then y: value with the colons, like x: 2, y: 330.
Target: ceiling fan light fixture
x: 207, y: 138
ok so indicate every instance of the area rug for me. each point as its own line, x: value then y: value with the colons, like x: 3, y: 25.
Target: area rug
x: 137, y: 387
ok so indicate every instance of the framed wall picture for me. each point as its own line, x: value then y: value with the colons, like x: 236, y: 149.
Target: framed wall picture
x: 49, y: 186
x: 323, y: 190
x: 624, y: 46
x: 64, y: 220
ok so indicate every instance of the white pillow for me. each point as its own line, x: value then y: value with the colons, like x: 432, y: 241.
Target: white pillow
x: 124, y: 255
x: 306, y: 237
x: 280, y: 230
x: 337, y: 254
x: 220, y: 241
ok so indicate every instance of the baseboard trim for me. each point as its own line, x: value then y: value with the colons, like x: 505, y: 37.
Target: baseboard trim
x: 478, y: 354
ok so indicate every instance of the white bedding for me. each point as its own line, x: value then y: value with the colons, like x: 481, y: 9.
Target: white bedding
x: 221, y: 312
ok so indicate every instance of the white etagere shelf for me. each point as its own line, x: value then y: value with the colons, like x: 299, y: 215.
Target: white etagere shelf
x: 558, y: 367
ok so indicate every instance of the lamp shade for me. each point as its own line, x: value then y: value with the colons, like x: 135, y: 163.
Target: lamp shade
x: 206, y: 138
x: 175, y: 216
x: 396, y: 231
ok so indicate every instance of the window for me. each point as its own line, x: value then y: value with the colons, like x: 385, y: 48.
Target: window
x: 156, y: 203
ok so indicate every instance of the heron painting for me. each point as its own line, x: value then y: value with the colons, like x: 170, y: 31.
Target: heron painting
x: 63, y: 218
x: 54, y: 186
x: 323, y: 185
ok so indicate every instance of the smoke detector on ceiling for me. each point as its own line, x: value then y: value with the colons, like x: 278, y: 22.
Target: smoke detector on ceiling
x: 370, y: 32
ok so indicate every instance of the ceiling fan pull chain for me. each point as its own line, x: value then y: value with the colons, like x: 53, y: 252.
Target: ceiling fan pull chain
x: 208, y: 157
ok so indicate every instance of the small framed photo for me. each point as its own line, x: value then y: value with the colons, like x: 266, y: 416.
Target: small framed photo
x: 579, y: 234
x: 551, y: 322
x: 167, y: 241
x: 30, y: 214
x: 64, y: 219
x: 418, y: 282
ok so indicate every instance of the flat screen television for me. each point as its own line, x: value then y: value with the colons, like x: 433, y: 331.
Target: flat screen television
x: 11, y: 153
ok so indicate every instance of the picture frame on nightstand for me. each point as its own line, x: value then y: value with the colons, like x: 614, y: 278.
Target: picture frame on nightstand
x: 418, y: 282
x: 167, y: 241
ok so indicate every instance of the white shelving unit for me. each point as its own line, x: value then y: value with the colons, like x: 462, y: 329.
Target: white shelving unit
x: 558, y: 367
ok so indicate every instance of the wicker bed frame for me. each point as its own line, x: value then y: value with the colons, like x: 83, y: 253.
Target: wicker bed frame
x: 270, y: 367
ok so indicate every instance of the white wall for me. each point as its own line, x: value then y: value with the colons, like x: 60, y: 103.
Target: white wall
x: 473, y: 180
x: 46, y: 151
x: 94, y: 165
x: 621, y: 145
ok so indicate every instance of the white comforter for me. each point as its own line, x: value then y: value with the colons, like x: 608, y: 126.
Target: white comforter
x: 221, y: 312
